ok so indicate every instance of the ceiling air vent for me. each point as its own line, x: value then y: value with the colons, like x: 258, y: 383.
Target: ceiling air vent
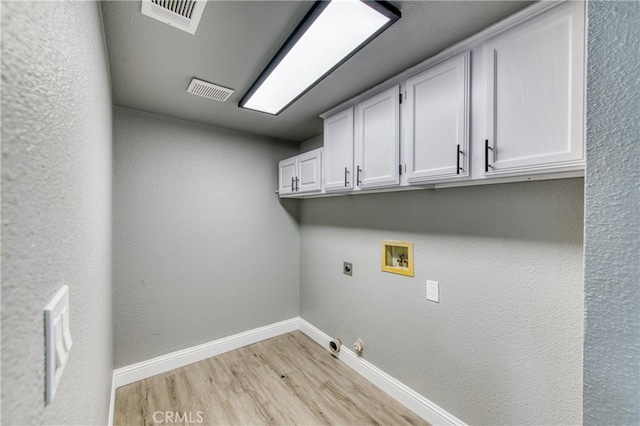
x: 181, y: 14
x: 209, y: 90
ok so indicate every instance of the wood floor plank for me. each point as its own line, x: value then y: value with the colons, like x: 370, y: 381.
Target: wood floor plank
x: 245, y: 387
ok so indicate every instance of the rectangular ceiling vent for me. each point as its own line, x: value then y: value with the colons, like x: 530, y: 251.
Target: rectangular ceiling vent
x: 181, y: 14
x: 209, y: 90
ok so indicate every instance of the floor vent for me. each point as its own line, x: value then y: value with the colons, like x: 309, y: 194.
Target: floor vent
x: 181, y: 14
x: 209, y: 90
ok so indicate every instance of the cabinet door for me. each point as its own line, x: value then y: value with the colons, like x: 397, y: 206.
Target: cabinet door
x: 535, y: 93
x: 309, y: 171
x: 377, y: 146
x: 338, y: 151
x: 287, y: 176
x: 436, y: 117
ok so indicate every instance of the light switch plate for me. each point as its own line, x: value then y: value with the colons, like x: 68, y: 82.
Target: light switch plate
x: 57, y: 340
x: 433, y: 291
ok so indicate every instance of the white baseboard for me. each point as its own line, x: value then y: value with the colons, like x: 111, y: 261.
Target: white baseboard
x: 397, y: 390
x: 417, y: 403
x: 132, y: 373
x: 112, y: 400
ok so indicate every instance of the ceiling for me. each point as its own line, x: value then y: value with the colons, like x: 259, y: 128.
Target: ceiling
x: 153, y: 63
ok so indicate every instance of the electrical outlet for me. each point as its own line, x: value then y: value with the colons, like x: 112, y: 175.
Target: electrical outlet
x: 347, y: 268
x: 433, y: 291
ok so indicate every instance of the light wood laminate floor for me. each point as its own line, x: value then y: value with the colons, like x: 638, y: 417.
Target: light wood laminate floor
x: 244, y: 387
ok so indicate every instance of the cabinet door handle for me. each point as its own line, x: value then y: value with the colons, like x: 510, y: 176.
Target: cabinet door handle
x: 346, y: 182
x: 297, y: 184
x: 458, y: 159
x: 293, y: 184
x: 487, y: 166
x: 358, y: 181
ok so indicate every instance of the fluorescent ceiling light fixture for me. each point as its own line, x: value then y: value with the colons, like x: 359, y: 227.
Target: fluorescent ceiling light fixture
x: 329, y: 34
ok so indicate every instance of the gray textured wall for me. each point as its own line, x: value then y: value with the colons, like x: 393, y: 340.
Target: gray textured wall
x: 313, y: 143
x: 504, y: 345
x: 203, y: 248
x: 56, y: 207
x: 612, y: 221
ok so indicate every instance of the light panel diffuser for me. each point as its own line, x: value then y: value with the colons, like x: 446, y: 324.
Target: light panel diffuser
x: 330, y: 33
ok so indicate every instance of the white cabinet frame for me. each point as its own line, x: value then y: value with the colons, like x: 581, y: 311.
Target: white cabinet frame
x: 435, y: 137
x: 338, y: 149
x: 535, y: 92
x: 377, y: 140
x: 300, y: 174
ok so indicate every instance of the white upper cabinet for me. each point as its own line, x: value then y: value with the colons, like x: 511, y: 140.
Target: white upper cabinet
x: 300, y: 174
x: 287, y: 176
x: 310, y: 171
x: 435, y: 137
x: 377, y: 140
x: 507, y: 104
x: 338, y: 145
x: 535, y: 95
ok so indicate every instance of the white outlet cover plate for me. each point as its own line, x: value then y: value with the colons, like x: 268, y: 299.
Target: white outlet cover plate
x: 433, y: 291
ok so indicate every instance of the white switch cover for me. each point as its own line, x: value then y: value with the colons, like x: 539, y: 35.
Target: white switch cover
x: 57, y: 340
x: 433, y: 291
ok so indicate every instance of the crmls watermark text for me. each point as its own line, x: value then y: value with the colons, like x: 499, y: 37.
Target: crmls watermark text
x: 184, y: 417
